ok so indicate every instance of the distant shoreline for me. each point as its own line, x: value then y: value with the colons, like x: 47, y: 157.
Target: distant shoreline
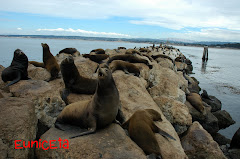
x: 221, y: 45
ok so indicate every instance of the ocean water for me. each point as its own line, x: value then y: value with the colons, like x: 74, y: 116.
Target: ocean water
x: 219, y: 76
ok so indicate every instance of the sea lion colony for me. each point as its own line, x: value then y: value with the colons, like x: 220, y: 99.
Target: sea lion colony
x: 92, y: 114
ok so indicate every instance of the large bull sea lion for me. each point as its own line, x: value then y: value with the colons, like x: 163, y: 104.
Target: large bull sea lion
x: 17, y: 70
x: 96, y: 113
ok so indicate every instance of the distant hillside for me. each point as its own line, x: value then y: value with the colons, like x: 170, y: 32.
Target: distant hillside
x: 139, y: 40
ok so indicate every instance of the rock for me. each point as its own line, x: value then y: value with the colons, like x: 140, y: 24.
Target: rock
x: 164, y: 62
x: 198, y: 144
x: 214, y: 103
x: 193, y: 85
x: 207, y: 120
x: 234, y: 153
x: 45, y: 96
x: 164, y: 81
x: 235, y: 143
x: 86, y: 67
x: 134, y: 96
x: 113, y: 52
x: 17, y: 122
x: 220, y: 139
x: 108, y: 143
x: 180, y: 66
x: 176, y: 112
x: 38, y: 73
x: 224, y: 119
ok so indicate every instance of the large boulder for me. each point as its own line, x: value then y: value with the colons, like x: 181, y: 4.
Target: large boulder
x: 17, y: 122
x: 133, y: 97
x: 198, y: 144
x: 38, y: 73
x: 207, y: 120
x: 164, y: 62
x: 214, y: 103
x: 220, y: 139
x: 110, y: 142
x: 224, y: 119
x: 164, y: 81
x: 176, y: 112
x: 45, y: 96
x: 180, y: 66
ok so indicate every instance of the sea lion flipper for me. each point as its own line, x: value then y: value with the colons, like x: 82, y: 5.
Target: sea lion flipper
x: 90, y: 131
x: 163, y: 133
x: 64, y: 95
x: 15, y: 80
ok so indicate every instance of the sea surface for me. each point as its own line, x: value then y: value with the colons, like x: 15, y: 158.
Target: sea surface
x: 219, y: 76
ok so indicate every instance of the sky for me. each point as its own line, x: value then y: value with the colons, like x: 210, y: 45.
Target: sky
x: 188, y: 20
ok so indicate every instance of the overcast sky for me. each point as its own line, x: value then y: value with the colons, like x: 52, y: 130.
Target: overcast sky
x: 198, y: 20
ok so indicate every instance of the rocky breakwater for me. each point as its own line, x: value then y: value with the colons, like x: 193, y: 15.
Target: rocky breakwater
x: 29, y: 109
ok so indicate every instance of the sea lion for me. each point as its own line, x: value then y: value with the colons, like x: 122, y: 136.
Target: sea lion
x: 17, y: 70
x: 72, y: 51
x: 96, y: 113
x: 98, y: 58
x: 130, y: 58
x: 162, y: 56
x: 141, y: 129
x: 124, y: 66
x: 121, y: 48
x: 144, y: 50
x: 37, y: 64
x: 98, y: 51
x: 235, y: 143
x: 73, y: 81
x: 205, y: 95
x: 196, y: 101
x: 50, y: 63
x: 132, y: 51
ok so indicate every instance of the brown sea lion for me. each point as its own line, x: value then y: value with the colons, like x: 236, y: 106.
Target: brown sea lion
x: 235, y: 143
x: 141, y: 129
x: 17, y: 70
x: 127, y: 67
x: 162, y: 56
x: 98, y: 51
x: 130, y: 58
x: 50, y: 63
x: 144, y: 50
x: 98, y: 58
x: 196, y: 101
x: 73, y: 81
x: 132, y: 51
x: 37, y: 64
x: 72, y: 51
x: 121, y: 48
x: 96, y: 113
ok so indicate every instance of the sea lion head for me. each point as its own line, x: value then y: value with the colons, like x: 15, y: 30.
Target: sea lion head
x: 68, y: 60
x: 44, y: 45
x: 20, y: 56
x: 104, y: 74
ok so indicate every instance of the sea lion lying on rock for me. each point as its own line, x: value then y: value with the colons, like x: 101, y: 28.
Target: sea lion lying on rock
x: 98, y: 51
x: 126, y: 67
x: 73, y: 81
x: 96, y: 113
x: 141, y: 129
x: 196, y: 101
x: 98, y: 58
x: 72, y: 51
x: 130, y: 58
x: 17, y: 70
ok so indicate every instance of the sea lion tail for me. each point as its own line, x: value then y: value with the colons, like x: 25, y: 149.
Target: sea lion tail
x: 165, y: 134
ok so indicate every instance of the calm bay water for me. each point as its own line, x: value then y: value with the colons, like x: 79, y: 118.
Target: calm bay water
x: 219, y: 76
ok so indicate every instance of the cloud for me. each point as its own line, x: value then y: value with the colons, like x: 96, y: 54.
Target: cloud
x: 19, y: 28
x: 214, y: 34
x: 85, y: 32
x: 173, y: 14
